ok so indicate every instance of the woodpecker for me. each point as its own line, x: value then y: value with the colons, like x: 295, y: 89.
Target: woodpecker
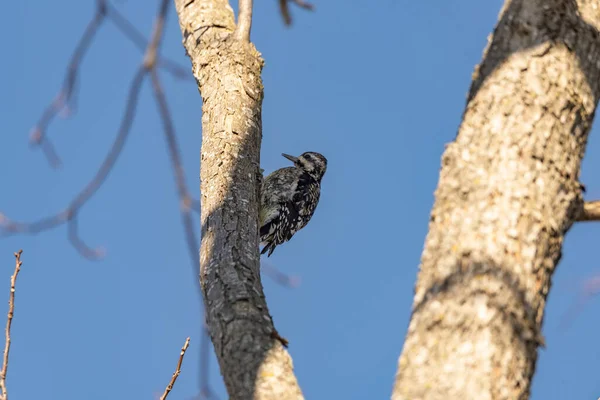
x: 289, y: 198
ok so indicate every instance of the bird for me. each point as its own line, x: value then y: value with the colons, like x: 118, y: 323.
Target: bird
x: 289, y: 197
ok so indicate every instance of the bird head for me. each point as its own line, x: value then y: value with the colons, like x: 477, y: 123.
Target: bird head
x: 314, y: 164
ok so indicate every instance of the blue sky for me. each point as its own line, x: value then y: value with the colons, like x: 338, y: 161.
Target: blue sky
x: 377, y: 87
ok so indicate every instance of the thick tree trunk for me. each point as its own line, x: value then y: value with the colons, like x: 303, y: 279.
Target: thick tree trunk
x: 508, y: 192
x: 227, y: 67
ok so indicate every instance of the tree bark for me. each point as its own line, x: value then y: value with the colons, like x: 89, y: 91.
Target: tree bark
x: 227, y: 68
x: 507, y: 194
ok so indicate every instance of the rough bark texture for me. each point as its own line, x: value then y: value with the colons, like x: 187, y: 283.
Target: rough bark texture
x: 253, y: 364
x: 508, y: 192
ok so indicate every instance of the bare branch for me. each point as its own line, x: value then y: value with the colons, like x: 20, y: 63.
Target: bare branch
x: 137, y: 38
x: 245, y: 341
x: 281, y: 278
x: 285, y: 10
x: 590, y: 287
x: 11, y: 310
x: 483, y: 271
x: 177, y: 370
x: 150, y: 56
x: 64, y: 98
x: 64, y: 102
x: 70, y: 214
x: 79, y: 244
x: 152, y: 61
x: 244, y: 23
x: 590, y: 211
x: 176, y: 164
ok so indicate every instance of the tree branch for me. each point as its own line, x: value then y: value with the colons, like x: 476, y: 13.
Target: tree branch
x: 151, y: 63
x: 590, y: 211
x: 137, y: 38
x: 279, y: 277
x: 285, y: 10
x: 507, y: 194
x: 177, y: 370
x: 65, y: 97
x: 151, y: 55
x: 69, y: 215
x: 176, y: 164
x: 65, y: 101
x: 252, y: 359
x: 11, y: 311
x: 244, y: 23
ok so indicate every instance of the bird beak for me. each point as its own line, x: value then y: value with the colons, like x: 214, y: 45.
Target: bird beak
x: 291, y: 158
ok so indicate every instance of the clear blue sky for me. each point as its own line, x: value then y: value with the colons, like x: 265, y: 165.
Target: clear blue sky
x: 378, y: 87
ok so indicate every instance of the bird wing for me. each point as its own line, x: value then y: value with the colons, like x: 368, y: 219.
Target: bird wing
x: 278, y: 187
x: 306, y: 195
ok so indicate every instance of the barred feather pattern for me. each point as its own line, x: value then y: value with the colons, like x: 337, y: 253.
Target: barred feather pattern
x: 289, y: 198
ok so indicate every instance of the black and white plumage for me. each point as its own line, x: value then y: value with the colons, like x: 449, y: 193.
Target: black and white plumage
x: 289, y: 198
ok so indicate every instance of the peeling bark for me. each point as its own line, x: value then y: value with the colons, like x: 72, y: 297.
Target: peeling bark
x: 507, y: 194
x: 227, y: 68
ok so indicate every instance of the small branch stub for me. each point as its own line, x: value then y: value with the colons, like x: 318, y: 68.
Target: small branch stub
x: 590, y: 211
x: 244, y: 24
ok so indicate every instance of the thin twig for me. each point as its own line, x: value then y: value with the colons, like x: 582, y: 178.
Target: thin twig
x: 589, y: 212
x: 11, y: 311
x: 244, y: 23
x: 70, y: 214
x: 285, y: 10
x: 151, y: 54
x: 176, y: 164
x: 280, y: 277
x: 64, y: 102
x: 177, y: 370
x: 590, y: 288
x: 138, y: 39
x: 152, y: 60
x: 64, y: 98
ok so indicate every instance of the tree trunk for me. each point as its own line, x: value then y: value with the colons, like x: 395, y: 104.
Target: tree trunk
x: 227, y: 68
x: 508, y: 192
